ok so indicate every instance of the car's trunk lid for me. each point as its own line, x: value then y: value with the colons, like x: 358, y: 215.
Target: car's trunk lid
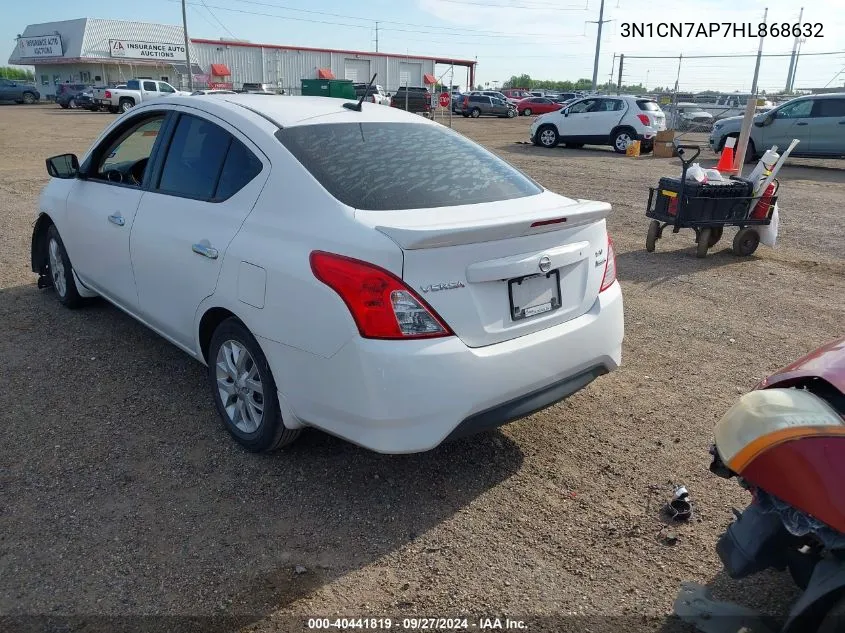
x: 497, y: 271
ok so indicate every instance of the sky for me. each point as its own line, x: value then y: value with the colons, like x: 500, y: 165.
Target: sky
x: 546, y: 39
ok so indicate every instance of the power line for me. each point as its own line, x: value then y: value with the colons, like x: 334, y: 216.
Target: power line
x: 282, y: 7
x: 535, y: 7
x: 223, y: 26
x: 732, y: 56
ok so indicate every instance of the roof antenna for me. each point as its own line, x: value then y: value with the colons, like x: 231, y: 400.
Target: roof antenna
x: 357, y: 106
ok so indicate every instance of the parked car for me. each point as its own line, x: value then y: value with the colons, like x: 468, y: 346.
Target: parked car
x: 85, y: 100
x: 375, y: 95
x: 136, y: 91
x: 690, y: 116
x: 476, y: 105
x: 817, y: 121
x: 320, y: 316
x: 258, y: 88
x: 495, y: 94
x: 614, y: 121
x: 515, y: 94
x: 213, y: 91
x: 416, y: 99
x: 536, y: 105
x: 66, y: 94
x: 18, y: 91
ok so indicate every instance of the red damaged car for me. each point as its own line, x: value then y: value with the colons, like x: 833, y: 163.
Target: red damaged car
x: 784, y: 442
x: 536, y: 105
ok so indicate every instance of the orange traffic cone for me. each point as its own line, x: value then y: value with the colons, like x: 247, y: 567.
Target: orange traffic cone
x: 726, y: 160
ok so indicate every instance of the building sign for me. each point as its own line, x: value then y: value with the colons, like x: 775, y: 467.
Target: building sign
x: 131, y: 49
x: 40, y: 46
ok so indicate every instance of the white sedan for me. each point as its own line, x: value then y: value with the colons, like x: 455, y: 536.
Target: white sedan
x: 366, y: 272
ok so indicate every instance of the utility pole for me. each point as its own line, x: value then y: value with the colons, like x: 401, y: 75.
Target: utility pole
x: 797, y: 56
x: 759, y: 56
x: 600, y: 22
x: 376, y: 37
x: 187, y: 48
x: 792, y: 59
x: 619, y: 83
x: 610, y: 79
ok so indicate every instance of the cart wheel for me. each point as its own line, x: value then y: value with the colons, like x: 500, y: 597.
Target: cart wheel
x: 704, y: 237
x: 653, y: 235
x: 715, y: 236
x: 746, y: 241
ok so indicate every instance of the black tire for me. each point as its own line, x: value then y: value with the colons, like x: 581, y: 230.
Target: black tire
x: 72, y: 104
x: 475, y: 113
x: 547, y: 136
x: 715, y: 236
x: 29, y: 98
x: 622, y: 137
x: 270, y: 433
x: 511, y: 113
x: 652, y: 236
x: 746, y: 241
x: 526, y: 112
x: 61, y: 276
x: 703, y: 243
x: 125, y: 105
x: 574, y: 145
x: 64, y: 106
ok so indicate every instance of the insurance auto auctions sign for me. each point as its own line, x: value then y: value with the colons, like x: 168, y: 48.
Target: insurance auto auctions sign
x: 40, y: 46
x: 131, y: 49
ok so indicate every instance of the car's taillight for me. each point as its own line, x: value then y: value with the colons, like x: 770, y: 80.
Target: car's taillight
x: 108, y: 94
x: 643, y: 119
x: 381, y: 304
x: 609, y: 267
x: 466, y: 102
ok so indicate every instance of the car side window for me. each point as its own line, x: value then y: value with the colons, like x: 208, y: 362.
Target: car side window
x: 239, y: 168
x: 582, y: 106
x: 125, y: 159
x: 163, y: 87
x: 150, y: 85
x: 194, y: 159
x: 797, y: 110
x: 830, y: 108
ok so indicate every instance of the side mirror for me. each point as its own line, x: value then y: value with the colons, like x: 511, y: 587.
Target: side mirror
x: 63, y: 166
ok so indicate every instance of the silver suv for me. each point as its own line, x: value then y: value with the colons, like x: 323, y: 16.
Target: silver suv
x: 817, y: 121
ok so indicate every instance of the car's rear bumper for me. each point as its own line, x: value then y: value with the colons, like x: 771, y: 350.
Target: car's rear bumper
x: 408, y: 396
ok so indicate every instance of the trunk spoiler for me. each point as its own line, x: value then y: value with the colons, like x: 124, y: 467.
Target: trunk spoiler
x: 431, y: 228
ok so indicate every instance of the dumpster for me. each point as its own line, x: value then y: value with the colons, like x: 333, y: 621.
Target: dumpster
x: 338, y: 88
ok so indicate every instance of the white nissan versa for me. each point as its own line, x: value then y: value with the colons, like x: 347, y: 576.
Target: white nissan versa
x: 363, y: 271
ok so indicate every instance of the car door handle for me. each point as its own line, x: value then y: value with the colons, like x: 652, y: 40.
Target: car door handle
x: 205, y: 249
x: 116, y: 218
x: 801, y: 123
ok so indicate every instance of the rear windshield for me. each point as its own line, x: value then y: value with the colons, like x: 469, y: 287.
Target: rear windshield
x: 648, y: 106
x: 395, y: 166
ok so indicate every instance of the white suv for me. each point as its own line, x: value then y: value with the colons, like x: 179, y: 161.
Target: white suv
x: 600, y: 120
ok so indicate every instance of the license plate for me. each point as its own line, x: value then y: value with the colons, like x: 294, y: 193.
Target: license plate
x: 534, y: 295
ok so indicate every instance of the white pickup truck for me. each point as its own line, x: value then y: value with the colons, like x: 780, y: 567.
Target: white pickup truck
x: 136, y: 91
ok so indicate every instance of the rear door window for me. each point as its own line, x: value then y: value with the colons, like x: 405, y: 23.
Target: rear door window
x: 382, y: 166
x: 194, y: 159
x: 830, y: 108
x: 150, y: 85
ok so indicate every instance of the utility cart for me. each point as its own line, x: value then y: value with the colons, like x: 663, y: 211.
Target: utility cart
x: 707, y: 208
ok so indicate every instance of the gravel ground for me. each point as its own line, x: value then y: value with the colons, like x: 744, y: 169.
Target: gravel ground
x: 125, y: 506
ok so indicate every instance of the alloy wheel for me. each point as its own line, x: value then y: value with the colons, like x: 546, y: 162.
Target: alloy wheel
x: 239, y: 386
x: 57, y: 267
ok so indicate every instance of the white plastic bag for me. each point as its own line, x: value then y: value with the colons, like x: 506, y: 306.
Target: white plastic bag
x: 695, y: 172
x: 769, y: 232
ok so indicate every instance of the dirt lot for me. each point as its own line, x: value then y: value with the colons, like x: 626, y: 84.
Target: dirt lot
x: 125, y: 503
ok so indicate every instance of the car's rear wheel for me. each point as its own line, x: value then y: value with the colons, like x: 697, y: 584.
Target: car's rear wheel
x: 72, y: 104
x: 527, y: 112
x: 244, y: 390
x: 61, y: 271
x: 126, y: 105
x: 511, y: 113
x: 475, y: 113
x: 28, y: 98
x: 548, y: 137
x: 622, y: 139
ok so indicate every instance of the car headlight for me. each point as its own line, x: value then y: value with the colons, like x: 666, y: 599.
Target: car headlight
x: 717, y: 126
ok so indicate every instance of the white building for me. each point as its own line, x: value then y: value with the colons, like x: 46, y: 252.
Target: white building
x: 102, y: 52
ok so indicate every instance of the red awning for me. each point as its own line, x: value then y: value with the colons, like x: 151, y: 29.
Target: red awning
x: 325, y: 73
x: 220, y: 70
x: 429, y: 79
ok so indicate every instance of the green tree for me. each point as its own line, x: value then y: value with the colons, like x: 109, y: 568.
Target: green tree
x: 10, y: 72
x: 519, y: 81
